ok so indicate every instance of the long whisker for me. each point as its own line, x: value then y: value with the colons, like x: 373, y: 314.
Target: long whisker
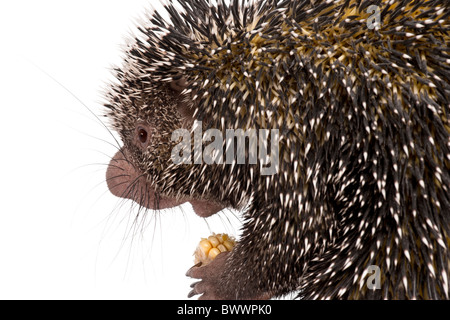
x: 129, y: 190
x: 78, y: 99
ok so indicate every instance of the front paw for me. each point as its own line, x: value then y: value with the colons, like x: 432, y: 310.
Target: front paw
x: 212, y: 286
x: 209, y: 285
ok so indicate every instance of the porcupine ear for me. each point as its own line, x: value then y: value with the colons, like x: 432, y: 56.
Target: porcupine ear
x: 178, y: 84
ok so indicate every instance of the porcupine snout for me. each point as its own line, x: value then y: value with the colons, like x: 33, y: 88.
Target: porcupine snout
x: 125, y: 180
x: 128, y: 174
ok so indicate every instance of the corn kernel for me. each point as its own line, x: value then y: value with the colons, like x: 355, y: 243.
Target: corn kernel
x: 213, y: 253
x: 222, y: 248
x: 210, y: 247
x: 228, y: 244
x: 222, y: 237
x: 205, y: 245
x: 214, y: 241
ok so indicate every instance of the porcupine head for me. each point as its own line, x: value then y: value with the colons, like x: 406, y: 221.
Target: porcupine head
x: 343, y: 109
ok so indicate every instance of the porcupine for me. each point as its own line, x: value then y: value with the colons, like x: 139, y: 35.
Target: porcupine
x: 364, y: 146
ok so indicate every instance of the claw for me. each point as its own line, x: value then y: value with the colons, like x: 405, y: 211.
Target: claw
x: 191, y: 294
x: 195, y: 266
x: 207, y: 283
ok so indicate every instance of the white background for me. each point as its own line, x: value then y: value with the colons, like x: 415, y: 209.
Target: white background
x: 62, y: 234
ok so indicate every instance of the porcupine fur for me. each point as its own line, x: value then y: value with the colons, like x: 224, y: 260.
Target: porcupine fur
x: 363, y: 115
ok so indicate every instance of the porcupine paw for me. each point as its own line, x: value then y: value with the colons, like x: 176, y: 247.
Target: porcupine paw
x: 209, y: 285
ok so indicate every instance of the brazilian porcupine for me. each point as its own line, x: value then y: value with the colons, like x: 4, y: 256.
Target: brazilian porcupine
x: 360, y: 94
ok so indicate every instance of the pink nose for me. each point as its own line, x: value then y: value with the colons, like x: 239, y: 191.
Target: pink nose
x: 119, y: 176
x: 124, y: 181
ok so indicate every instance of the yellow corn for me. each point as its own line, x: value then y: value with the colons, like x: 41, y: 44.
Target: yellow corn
x: 210, y: 247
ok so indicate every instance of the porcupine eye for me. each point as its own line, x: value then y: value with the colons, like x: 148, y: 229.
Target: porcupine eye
x: 142, y: 136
